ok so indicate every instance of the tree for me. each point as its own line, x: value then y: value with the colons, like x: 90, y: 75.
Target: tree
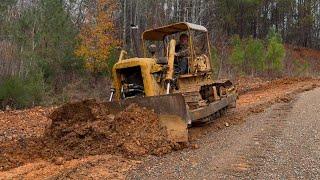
x: 237, y: 57
x: 97, y: 37
x: 275, y: 53
x: 254, y: 55
x: 46, y: 38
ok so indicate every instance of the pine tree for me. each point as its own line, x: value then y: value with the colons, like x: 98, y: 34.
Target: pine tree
x: 254, y: 55
x: 275, y: 53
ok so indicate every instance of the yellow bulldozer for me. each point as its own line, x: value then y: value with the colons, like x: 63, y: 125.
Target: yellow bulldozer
x: 155, y: 82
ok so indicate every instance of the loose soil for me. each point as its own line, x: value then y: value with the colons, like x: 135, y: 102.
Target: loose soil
x: 84, y: 138
x: 83, y: 129
x: 88, y: 127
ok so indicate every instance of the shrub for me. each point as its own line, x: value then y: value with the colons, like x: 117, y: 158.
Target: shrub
x: 13, y: 93
x: 254, y: 55
x: 19, y: 92
x: 238, y: 54
x: 275, y: 53
x: 35, y: 88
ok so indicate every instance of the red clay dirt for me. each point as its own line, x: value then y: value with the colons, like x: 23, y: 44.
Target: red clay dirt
x: 23, y: 123
x: 91, y: 167
x: 85, y: 141
x: 89, y: 127
x: 86, y: 129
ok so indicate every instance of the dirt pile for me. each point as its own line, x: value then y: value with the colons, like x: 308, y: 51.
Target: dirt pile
x: 86, y: 129
x: 89, y: 127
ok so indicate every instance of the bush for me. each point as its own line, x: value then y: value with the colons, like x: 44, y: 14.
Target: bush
x: 35, y: 88
x: 12, y: 92
x: 254, y: 55
x: 275, y: 53
x: 247, y: 55
x: 19, y: 92
x: 237, y: 57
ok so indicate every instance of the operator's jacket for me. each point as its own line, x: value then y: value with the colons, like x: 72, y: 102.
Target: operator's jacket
x: 181, y: 62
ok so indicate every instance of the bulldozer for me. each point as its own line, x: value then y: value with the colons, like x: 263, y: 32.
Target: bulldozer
x: 153, y: 81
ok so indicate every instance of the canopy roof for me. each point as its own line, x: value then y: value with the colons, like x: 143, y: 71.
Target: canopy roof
x: 159, y: 34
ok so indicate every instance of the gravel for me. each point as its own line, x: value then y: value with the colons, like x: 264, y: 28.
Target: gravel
x: 281, y: 143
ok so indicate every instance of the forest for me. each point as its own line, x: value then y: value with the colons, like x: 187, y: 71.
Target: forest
x: 53, y: 51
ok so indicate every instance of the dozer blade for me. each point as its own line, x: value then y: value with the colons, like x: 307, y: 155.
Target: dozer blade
x: 171, y: 109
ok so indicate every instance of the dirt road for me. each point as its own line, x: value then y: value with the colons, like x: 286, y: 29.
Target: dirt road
x: 267, y: 132
x: 281, y: 143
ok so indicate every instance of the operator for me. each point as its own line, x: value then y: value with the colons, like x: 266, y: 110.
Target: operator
x: 182, y: 54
